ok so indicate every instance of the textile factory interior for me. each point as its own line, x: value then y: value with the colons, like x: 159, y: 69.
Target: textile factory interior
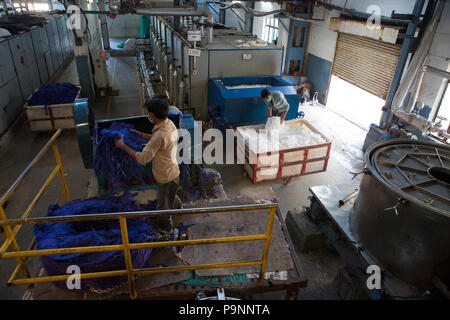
x: 224, y: 150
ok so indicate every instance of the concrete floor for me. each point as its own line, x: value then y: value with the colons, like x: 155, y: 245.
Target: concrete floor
x: 18, y: 146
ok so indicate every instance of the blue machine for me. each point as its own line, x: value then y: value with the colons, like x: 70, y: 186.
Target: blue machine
x: 233, y: 107
x: 88, y: 132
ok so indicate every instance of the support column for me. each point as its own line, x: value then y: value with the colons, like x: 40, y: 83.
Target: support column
x: 408, y: 43
x: 104, y: 26
x: 249, y: 17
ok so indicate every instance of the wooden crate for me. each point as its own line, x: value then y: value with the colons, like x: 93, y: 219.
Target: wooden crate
x: 51, y: 117
x: 286, y: 163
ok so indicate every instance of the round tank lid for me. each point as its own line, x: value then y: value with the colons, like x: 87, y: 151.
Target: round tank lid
x: 422, y: 171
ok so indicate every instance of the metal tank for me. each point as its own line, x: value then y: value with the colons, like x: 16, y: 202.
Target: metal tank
x: 401, y: 216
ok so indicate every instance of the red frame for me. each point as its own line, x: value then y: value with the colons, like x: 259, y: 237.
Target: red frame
x: 282, y: 164
x: 51, y: 118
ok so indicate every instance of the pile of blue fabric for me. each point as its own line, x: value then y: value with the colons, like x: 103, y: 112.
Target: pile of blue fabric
x: 94, y: 233
x: 55, y: 93
x: 114, y: 164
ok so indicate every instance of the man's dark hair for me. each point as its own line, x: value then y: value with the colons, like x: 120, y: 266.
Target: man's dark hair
x: 265, y: 93
x: 159, y: 107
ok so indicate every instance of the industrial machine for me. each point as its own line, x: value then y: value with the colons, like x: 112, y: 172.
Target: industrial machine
x: 404, y: 230
x: 192, y: 70
x: 231, y: 101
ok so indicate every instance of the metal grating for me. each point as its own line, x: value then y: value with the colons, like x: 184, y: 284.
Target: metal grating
x: 421, y: 171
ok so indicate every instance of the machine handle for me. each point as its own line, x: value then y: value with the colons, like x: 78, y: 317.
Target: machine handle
x: 400, y: 202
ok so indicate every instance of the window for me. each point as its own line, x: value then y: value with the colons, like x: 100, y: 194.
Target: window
x: 270, y: 33
x: 443, y: 114
x: 32, y: 7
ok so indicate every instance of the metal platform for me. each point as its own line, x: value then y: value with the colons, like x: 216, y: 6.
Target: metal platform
x: 182, y: 285
x: 334, y: 221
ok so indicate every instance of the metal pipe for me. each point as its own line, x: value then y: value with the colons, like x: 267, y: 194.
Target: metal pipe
x: 171, y: 12
x: 210, y: 28
x: 181, y: 94
x: 104, y: 26
x: 28, y: 168
x: 137, y: 214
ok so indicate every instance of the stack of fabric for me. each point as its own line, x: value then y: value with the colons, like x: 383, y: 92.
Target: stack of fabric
x: 94, y: 233
x: 114, y: 164
x: 55, y: 93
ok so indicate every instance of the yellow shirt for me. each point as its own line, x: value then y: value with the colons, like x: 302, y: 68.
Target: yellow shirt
x: 162, y: 148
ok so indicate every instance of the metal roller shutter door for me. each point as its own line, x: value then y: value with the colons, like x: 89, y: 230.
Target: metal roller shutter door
x: 368, y: 64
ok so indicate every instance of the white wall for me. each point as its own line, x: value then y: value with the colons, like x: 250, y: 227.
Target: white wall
x: 124, y: 26
x: 322, y: 41
x: 258, y: 24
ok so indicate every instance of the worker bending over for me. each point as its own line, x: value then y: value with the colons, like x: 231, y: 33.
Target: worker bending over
x: 276, y: 103
x: 162, y: 149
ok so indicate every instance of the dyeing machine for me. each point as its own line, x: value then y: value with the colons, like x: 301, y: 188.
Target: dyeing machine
x: 88, y: 133
x: 231, y: 101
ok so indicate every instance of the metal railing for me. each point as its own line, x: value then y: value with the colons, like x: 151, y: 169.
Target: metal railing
x: 12, y: 233
x: 126, y: 246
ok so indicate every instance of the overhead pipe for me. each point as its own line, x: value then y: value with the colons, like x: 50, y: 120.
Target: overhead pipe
x: 171, y: 12
x: 359, y: 14
x: 256, y: 13
x: 155, y: 12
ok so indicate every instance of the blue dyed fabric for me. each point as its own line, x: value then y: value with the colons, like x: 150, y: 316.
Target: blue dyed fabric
x: 94, y: 233
x: 55, y: 93
x: 114, y: 164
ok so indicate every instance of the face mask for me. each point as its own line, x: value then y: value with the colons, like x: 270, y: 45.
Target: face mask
x: 151, y: 121
x: 269, y: 99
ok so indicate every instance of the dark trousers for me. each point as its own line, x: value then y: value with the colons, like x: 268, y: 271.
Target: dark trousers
x: 167, y: 199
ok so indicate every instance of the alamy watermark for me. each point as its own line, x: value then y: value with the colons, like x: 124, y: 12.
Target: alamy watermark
x: 209, y: 147
x: 74, y: 280
x: 74, y: 20
x: 374, y: 280
x: 373, y: 22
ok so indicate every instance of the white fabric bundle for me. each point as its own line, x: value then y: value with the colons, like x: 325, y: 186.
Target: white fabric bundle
x: 278, y: 136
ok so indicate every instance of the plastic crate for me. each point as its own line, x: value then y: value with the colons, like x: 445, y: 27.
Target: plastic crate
x: 51, y: 117
x: 285, y: 163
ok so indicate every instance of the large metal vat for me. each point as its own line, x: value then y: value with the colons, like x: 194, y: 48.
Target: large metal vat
x: 401, y: 215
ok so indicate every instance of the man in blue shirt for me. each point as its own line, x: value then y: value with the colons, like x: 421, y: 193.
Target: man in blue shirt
x: 276, y: 103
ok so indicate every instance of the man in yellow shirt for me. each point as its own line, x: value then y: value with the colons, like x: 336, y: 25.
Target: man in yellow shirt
x: 162, y: 149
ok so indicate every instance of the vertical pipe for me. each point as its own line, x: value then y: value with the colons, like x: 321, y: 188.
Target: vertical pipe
x: 170, y: 84
x: 127, y: 256
x: 248, y: 28
x: 5, y: 8
x: 406, y: 47
x: 266, y: 245
x: 175, y: 89
x: 104, y: 26
x: 210, y: 28
x: 181, y: 95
